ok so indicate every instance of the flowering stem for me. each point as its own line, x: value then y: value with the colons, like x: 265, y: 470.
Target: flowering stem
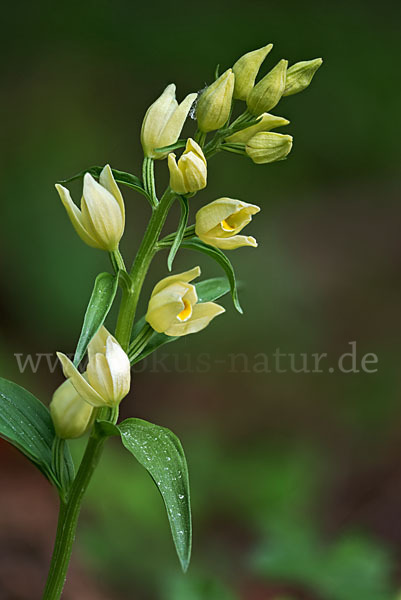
x: 68, y: 518
x: 146, y: 252
x: 70, y: 509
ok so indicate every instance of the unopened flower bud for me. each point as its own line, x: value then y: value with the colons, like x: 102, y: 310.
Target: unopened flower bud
x: 300, y: 75
x: 71, y: 415
x: 101, y: 220
x: 190, y: 173
x: 245, y: 70
x: 214, y: 104
x: 164, y: 121
x: 266, y: 123
x: 267, y: 93
x: 267, y: 147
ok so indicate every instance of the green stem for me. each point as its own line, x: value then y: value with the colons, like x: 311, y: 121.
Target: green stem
x: 148, y: 175
x: 140, y: 342
x: 146, y: 252
x: 200, y: 137
x: 68, y: 518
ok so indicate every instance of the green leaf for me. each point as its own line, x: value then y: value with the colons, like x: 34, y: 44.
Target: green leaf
x: 26, y: 423
x: 103, y: 294
x: 180, y: 231
x: 161, y: 453
x: 210, y: 290
x: 127, y: 179
x: 207, y: 291
x: 219, y: 257
x: 178, y: 144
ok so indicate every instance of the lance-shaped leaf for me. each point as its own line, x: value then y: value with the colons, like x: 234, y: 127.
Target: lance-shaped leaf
x: 221, y: 259
x: 161, y: 453
x: 26, y: 423
x: 180, y: 231
x: 127, y: 179
x: 102, y: 298
x: 207, y: 291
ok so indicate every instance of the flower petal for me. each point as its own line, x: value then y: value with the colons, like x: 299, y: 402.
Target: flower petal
x: 185, y: 277
x: 164, y: 306
x: 202, y: 314
x: 83, y: 388
x: 107, y: 180
x: 75, y: 216
x: 211, y: 215
x: 98, y: 342
x: 230, y: 243
x: 101, y: 214
x: 100, y: 379
x: 120, y: 369
x: 71, y: 415
x: 175, y: 123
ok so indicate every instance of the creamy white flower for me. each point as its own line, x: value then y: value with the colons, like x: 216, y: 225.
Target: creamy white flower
x: 174, y: 309
x: 71, y: 415
x: 164, y: 121
x: 219, y: 223
x: 108, y: 376
x: 100, y: 222
x: 190, y: 173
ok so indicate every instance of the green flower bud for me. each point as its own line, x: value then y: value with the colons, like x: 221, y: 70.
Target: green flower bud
x: 245, y: 70
x: 267, y: 147
x: 267, y: 93
x: 266, y: 123
x: 214, y: 104
x: 300, y: 75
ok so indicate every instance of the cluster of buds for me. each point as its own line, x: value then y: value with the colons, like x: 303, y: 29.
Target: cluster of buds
x: 173, y: 308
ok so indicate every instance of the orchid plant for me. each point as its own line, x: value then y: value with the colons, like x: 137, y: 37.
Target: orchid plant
x: 87, y: 403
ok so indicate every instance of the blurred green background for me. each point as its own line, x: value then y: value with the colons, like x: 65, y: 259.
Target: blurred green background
x: 296, y: 477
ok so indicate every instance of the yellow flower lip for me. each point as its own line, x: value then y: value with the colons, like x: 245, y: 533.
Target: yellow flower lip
x: 186, y: 313
x: 225, y: 226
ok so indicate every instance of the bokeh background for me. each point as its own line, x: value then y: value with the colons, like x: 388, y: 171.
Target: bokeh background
x: 296, y: 477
